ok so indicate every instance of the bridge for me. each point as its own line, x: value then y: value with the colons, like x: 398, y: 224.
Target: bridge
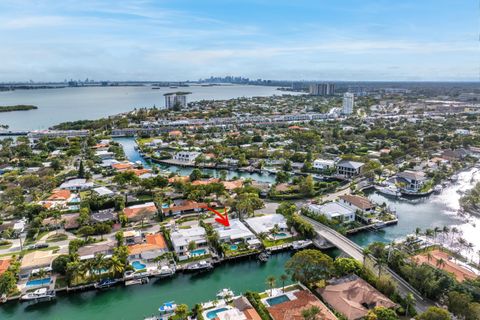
x: 355, y: 251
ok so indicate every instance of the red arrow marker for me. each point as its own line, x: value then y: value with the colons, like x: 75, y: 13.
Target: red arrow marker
x: 222, y: 219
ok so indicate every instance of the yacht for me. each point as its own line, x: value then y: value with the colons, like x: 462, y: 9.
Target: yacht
x: 301, y: 244
x: 225, y: 293
x: 200, y: 266
x: 167, y: 308
x: 105, y: 283
x: 42, y: 294
x: 165, y: 271
x: 136, y: 281
x: 437, y: 189
x: 388, y: 190
x: 263, y: 257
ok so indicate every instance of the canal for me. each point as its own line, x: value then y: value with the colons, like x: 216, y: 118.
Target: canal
x: 139, y: 301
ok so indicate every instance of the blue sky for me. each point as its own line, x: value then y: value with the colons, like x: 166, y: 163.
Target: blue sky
x: 50, y: 40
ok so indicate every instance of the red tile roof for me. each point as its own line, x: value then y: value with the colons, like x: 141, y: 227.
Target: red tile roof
x: 292, y: 310
x: 60, y: 195
x: 4, y: 264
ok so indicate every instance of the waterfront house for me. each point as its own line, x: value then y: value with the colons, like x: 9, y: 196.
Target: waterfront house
x: 104, y: 154
x: 358, y: 203
x: 241, y: 303
x: 236, y: 232
x: 334, y: 211
x: 411, y: 181
x: 266, y: 223
x: 322, y: 165
x: 4, y: 265
x: 353, y: 297
x: 154, y: 247
x: 140, y: 211
x: 34, y: 261
x: 294, y: 303
x: 187, y: 157
x: 182, y: 238
x: 349, y: 169
x: 122, y: 166
x: 90, y: 251
x: 76, y: 184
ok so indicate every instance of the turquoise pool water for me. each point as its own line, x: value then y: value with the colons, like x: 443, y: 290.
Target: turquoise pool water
x: 281, y: 234
x: 38, y: 282
x: 233, y: 247
x: 198, y: 252
x: 277, y: 300
x: 213, y: 314
x: 137, y: 265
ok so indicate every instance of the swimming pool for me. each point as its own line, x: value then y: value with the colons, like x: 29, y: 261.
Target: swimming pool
x: 280, y: 235
x: 213, y: 314
x: 38, y: 282
x: 198, y: 252
x: 233, y: 247
x: 137, y: 265
x: 277, y: 300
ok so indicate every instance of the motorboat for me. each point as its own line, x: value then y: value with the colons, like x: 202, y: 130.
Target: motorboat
x: 132, y: 282
x: 263, y: 257
x: 42, y: 294
x: 438, y: 188
x: 200, y: 266
x: 167, y: 308
x: 301, y: 244
x: 165, y: 271
x: 225, y: 293
x: 105, y: 283
x: 388, y: 190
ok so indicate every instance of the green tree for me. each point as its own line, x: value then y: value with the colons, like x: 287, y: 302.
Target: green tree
x: 196, y: 174
x: 181, y: 312
x: 345, y: 266
x: 381, y: 313
x: 434, y: 313
x: 283, y: 278
x: 271, y: 283
x: 8, y: 282
x: 81, y: 170
x: 59, y: 265
x: 309, y: 266
x: 311, y: 313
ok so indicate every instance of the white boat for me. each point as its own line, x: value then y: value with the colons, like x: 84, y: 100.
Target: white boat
x: 167, y: 308
x: 438, y: 188
x: 136, y: 281
x: 165, y: 271
x: 200, y: 266
x: 388, y: 190
x: 42, y: 294
x: 301, y: 244
x: 225, y: 293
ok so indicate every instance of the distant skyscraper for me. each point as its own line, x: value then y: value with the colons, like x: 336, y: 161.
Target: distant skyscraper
x: 175, y: 99
x: 322, y: 89
x: 348, y: 102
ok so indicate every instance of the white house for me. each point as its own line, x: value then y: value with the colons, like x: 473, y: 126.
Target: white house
x: 264, y: 224
x: 334, y: 210
x: 186, y: 156
x: 321, y: 164
x: 235, y: 232
x: 349, y: 168
x: 413, y: 180
x: 76, y: 184
x: 181, y: 239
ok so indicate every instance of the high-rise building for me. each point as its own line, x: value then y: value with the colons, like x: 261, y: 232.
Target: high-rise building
x: 348, y: 102
x: 175, y: 99
x: 322, y: 89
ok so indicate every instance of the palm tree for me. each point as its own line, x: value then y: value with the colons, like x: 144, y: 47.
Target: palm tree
x: 271, y: 283
x: 436, y: 230
x: 429, y: 256
x: 379, y: 264
x: 283, y: 278
x: 440, y: 263
x: 366, y: 252
x: 409, y: 303
x: 429, y: 233
x: 311, y: 313
x: 117, y: 266
x: 418, y: 231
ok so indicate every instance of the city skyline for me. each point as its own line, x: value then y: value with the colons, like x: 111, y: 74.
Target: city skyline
x: 308, y: 40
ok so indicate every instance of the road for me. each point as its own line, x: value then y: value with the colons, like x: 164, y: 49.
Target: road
x: 356, y: 252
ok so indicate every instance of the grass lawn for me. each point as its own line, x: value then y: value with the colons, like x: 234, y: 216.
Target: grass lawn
x: 23, y: 252
x: 6, y: 245
x: 271, y: 243
x: 197, y: 258
x: 57, y: 237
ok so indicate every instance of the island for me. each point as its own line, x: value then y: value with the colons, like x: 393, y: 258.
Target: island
x: 18, y: 107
